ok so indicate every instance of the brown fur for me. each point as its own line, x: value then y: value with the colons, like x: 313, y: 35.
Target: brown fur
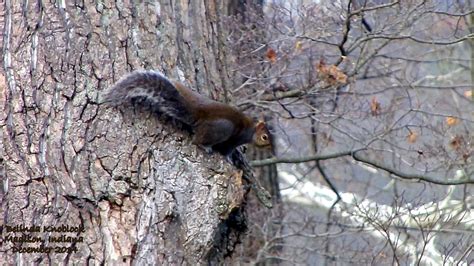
x: 215, y: 125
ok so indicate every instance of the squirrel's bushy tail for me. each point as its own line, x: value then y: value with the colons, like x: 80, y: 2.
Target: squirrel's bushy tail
x: 150, y: 88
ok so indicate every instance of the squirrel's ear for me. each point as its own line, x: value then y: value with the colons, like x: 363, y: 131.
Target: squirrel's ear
x: 260, y: 125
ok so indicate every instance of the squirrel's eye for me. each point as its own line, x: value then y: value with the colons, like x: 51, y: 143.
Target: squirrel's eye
x: 264, y: 137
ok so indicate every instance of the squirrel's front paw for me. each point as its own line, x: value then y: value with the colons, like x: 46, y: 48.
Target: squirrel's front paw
x: 228, y: 158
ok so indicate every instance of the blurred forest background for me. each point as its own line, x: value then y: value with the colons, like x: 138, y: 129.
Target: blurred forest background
x: 371, y: 103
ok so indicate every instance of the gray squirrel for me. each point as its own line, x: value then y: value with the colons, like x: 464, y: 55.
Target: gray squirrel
x: 215, y: 125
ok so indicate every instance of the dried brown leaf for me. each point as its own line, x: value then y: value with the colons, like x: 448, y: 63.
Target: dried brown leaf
x: 375, y: 106
x: 412, y: 137
x: 298, y: 46
x: 456, y: 142
x: 331, y: 74
x: 452, y: 121
x: 271, y: 55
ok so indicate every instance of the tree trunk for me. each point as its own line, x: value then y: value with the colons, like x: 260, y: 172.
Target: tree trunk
x: 86, y: 182
x: 471, y: 44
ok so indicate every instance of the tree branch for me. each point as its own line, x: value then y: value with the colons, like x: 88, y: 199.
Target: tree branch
x: 359, y: 158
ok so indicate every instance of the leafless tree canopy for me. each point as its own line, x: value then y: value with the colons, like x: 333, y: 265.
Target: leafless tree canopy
x: 373, y: 106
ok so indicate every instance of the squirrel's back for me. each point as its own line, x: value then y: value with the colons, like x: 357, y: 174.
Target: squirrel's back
x: 151, y: 88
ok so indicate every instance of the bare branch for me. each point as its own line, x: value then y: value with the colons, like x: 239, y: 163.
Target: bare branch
x: 355, y: 156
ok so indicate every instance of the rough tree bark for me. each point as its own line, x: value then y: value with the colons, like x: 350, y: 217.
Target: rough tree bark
x: 137, y: 187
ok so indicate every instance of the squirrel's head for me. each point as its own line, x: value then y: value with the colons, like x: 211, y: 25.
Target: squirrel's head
x: 262, y: 136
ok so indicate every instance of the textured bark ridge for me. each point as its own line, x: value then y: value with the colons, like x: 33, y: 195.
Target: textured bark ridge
x: 124, y: 185
x: 140, y: 189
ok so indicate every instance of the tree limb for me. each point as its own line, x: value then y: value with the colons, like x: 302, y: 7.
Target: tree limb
x: 359, y: 158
